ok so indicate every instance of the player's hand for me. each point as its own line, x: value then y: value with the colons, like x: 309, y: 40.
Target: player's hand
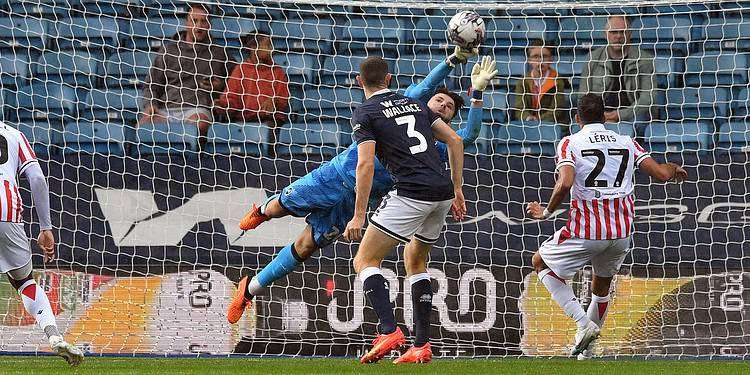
x: 47, y: 242
x: 482, y: 73
x: 353, y: 231
x: 461, y: 55
x: 458, y: 207
x: 680, y: 174
x: 535, y: 210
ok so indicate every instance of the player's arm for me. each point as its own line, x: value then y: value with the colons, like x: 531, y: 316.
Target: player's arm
x: 40, y: 195
x: 566, y: 175
x: 663, y: 171
x: 365, y: 139
x: 445, y: 134
x: 481, y: 74
x: 422, y: 91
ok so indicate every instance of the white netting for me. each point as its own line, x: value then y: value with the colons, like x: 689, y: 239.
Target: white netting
x: 147, y: 215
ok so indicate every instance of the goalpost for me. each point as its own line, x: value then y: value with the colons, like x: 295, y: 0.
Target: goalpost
x: 146, y: 217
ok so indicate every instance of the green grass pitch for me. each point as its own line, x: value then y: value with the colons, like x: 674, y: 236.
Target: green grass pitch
x: 214, y: 366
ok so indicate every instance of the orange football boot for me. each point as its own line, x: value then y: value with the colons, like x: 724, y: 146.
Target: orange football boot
x: 382, y: 345
x: 422, y: 354
x: 253, y: 218
x: 239, y: 302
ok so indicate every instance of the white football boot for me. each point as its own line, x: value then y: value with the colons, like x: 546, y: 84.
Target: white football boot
x: 584, y: 337
x: 72, y: 354
x: 588, y: 353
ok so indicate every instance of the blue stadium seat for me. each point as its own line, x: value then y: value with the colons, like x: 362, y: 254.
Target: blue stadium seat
x: 664, y: 35
x: 309, y: 138
x: 329, y: 103
x: 311, y: 36
x: 167, y: 9
x: 735, y: 136
x: 41, y: 137
x: 87, y: 33
x: 511, y: 66
x: 228, y: 30
x: 174, y: 138
x: 414, y: 69
x: 23, y: 33
x: 244, y: 139
x: 372, y: 33
x: 679, y: 136
x: 109, y: 7
x: 127, y: 69
x: 72, y: 67
x: 300, y: 68
x: 622, y: 128
x: 741, y: 106
x: 51, y: 9
x: 340, y: 70
x: 706, y: 104
x: 260, y: 10
x: 582, y: 33
x: 145, y: 34
x: 43, y: 104
x: 666, y: 69
x: 726, y: 34
x: 429, y: 34
x: 518, y: 139
x: 712, y: 69
x: 14, y: 69
x: 495, y: 107
x: 394, y: 10
x: 514, y: 32
x: 483, y: 143
x: 95, y: 136
x: 120, y: 106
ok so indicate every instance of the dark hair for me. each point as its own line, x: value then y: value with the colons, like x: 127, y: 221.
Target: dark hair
x: 251, y: 40
x: 591, y: 109
x: 373, y: 71
x: 205, y: 7
x: 458, y: 101
x: 541, y: 43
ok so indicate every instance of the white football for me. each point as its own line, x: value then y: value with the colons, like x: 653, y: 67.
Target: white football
x: 466, y: 29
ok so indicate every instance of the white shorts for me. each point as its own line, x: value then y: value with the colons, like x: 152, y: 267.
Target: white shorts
x: 566, y: 255
x: 403, y: 218
x: 15, y: 251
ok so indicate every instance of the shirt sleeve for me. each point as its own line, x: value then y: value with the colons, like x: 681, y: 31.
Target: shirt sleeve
x: 361, y: 128
x: 565, y: 154
x: 26, y: 154
x: 639, y: 153
x: 433, y: 117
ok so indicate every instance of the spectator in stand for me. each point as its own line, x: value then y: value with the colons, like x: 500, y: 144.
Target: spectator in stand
x: 186, y: 75
x: 541, y: 95
x: 257, y: 90
x: 622, y: 73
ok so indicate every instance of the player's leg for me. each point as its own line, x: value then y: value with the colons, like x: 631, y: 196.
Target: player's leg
x: 416, y: 254
x: 557, y: 260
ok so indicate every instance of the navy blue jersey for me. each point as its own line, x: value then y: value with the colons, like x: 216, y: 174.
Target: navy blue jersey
x: 401, y: 128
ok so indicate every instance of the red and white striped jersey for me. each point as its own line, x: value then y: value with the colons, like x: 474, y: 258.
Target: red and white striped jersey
x: 15, y: 156
x: 601, y: 199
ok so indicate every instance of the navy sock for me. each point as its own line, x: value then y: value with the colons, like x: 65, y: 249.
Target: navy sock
x: 376, y: 289
x: 421, y: 300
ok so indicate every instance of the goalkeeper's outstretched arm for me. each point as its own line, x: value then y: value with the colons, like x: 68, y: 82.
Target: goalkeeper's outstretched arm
x: 424, y: 90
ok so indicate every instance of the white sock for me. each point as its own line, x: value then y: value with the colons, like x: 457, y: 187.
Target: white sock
x: 598, y: 309
x: 254, y: 287
x: 563, y: 294
x: 37, y: 305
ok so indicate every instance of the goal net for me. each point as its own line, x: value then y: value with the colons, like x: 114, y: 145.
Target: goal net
x: 146, y: 215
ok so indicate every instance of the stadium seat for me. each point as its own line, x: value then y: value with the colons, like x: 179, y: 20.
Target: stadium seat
x: 259, y: 10
x: 43, y: 104
x: 582, y: 33
x: 149, y: 34
x: 371, y: 33
x: 429, y: 34
x: 726, y: 34
x: 93, y: 34
x: 300, y: 68
x: 340, y: 70
x: 109, y: 7
x: 14, y: 69
x: 127, y: 69
x: 95, y: 136
x: 75, y: 68
x: 666, y: 69
x: 495, y: 107
x: 679, y: 136
x: 712, y: 69
x: 664, y: 35
x: 414, y: 69
x: 511, y: 66
x: 622, y: 128
x: 244, y: 139
x: 167, y: 9
x: 514, y: 32
x: 50, y: 9
x: 741, y: 105
x: 515, y: 138
x: 23, y: 33
x: 228, y: 30
x: 42, y: 138
x: 311, y: 36
x: 329, y: 103
x: 309, y: 138
x: 734, y: 136
x: 706, y: 104
x: 174, y: 138
x: 120, y: 106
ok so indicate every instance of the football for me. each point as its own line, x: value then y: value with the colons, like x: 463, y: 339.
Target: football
x: 466, y: 29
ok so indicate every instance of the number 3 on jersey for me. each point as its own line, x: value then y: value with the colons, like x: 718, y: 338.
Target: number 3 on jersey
x: 410, y: 121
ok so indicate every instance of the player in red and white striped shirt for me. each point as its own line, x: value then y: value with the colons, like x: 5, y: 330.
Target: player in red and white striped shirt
x: 596, y: 167
x: 17, y: 158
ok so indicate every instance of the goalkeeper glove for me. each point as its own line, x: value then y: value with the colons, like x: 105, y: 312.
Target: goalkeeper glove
x: 481, y: 75
x: 461, y: 56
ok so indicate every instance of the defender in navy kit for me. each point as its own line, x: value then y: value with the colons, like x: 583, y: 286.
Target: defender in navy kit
x: 402, y: 132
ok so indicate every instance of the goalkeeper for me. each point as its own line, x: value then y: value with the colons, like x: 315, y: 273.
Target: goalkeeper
x: 326, y: 195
